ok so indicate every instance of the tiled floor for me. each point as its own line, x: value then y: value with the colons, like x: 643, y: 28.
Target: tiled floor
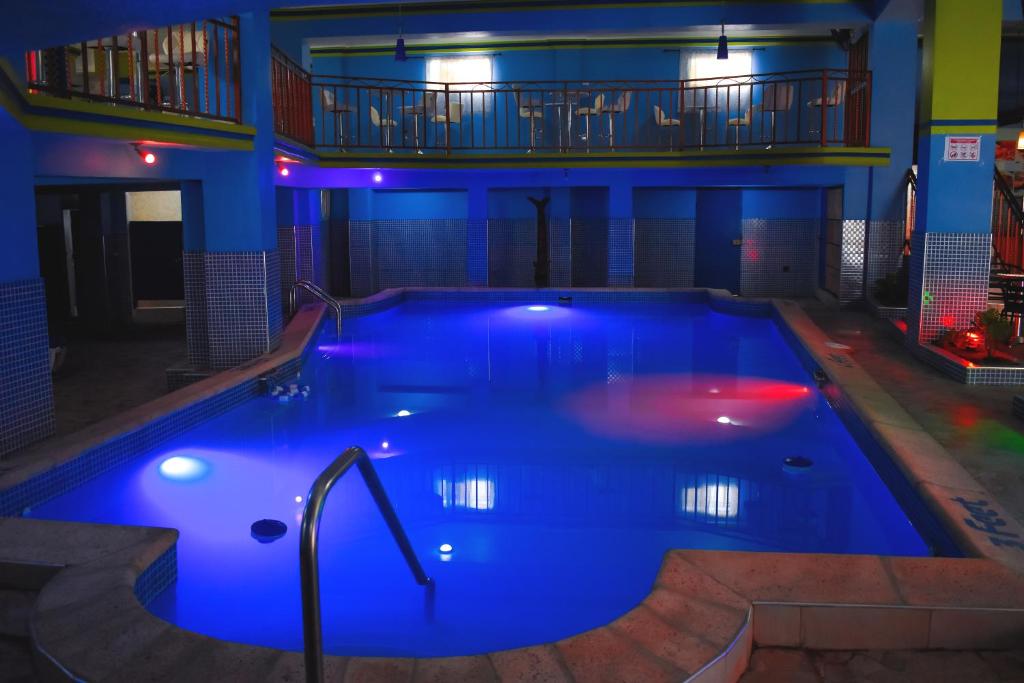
x: 779, y: 665
x: 974, y: 423
x: 105, y: 377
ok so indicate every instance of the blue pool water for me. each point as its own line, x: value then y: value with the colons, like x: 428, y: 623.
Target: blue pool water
x: 558, y: 451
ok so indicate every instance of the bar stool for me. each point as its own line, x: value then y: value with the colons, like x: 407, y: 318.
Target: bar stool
x: 340, y: 110
x: 1013, y: 303
x: 665, y: 123
x: 386, y: 124
x: 833, y: 101
x: 586, y: 112
x: 620, y: 106
x: 532, y: 109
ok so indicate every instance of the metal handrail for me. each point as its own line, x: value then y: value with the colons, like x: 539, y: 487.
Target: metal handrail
x: 319, y: 293
x: 309, y: 568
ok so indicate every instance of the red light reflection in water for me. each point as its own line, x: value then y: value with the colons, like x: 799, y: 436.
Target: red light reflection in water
x: 678, y: 408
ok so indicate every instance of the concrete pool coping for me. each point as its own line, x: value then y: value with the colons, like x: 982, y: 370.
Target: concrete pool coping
x: 700, y: 621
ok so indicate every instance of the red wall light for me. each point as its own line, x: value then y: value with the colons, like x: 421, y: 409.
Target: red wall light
x: 148, y: 158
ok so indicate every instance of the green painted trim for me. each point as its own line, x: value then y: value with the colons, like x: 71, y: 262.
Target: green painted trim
x: 850, y: 156
x: 47, y: 114
x: 491, y: 6
x: 131, y: 113
x: 57, y: 124
x: 664, y: 42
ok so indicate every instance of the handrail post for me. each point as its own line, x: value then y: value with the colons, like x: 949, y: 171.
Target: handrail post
x: 309, y: 568
x: 447, y: 121
x: 319, y: 293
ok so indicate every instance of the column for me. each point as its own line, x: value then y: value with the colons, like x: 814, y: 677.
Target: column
x: 476, y: 235
x: 620, y: 235
x: 232, y: 268
x: 26, y: 393
x: 950, y: 257
x: 892, y: 58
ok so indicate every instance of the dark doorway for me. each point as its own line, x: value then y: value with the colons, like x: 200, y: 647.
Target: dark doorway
x: 718, y: 239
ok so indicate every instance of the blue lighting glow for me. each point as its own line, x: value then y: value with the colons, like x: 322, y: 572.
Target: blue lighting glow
x: 446, y: 548
x: 377, y: 177
x: 184, y: 468
x: 403, y: 413
x: 538, y: 309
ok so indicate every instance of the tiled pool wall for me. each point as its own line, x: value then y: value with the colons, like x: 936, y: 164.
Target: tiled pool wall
x: 778, y: 257
x: 98, y: 459
x: 26, y: 394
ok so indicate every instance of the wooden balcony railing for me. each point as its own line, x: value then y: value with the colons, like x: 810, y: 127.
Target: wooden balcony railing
x: 828, y: 107
x: 192, y: 69
x: 293, y: 99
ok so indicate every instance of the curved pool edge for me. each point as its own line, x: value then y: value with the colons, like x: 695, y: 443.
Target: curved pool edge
x: 90, y: 621
x: 704, y: 614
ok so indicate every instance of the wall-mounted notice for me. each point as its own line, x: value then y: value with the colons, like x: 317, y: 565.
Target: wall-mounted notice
x: 962, y: 148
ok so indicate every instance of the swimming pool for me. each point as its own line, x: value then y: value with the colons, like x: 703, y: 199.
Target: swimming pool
x: 558, y: 450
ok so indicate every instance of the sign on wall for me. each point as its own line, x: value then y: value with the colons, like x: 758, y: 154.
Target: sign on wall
x: 962, y: 148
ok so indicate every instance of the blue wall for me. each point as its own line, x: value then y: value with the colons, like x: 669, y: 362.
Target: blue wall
x: 19, y: 258
x: 803, y: 204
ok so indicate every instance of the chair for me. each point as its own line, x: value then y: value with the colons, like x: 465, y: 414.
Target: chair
x: 532, y: 109
x: 387, y: 125
x: 665, y: 122
x: 339, y: 110
x: 1013, y: 304
x: 776, y: 97
x: 586, y: 112
x: 833, y: 101
x: 452, y: 114
x: 620, y: 106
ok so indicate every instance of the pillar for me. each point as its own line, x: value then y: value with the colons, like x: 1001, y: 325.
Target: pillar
x: 232, y: 266
x: 476, y: 235
x: 620, y: 235
x: 26, y: 393
x: 892, y: 59
x: 299, y: 239
x: 950, y: 253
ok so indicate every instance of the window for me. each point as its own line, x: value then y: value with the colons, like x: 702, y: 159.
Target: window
x: 708, y: 65
x: 459, y: 70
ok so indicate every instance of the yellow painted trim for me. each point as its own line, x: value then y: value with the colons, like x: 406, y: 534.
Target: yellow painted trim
x: 128, y: 112
x: 962, y: 130
x: 56, y: 124
x: 366, y: 11
x: 961, y: 59
x: 713, y: 158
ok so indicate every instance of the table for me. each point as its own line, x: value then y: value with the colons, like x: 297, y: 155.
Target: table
x: 415, y: 111
x: 564, y: 100
x: 701, y: 105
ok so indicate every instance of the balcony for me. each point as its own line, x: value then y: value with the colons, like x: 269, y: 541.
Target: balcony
x: 192, y: 69
x: 341, y: 116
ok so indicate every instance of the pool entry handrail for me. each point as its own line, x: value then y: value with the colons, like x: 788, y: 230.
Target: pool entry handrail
x: 309, y: 567
x: 319, y: 293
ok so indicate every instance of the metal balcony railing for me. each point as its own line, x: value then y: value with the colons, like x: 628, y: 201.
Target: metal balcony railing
x: 192, y: 69
x: 825, y: 107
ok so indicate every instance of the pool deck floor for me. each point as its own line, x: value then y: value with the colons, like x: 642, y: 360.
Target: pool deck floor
x: 974, y: 423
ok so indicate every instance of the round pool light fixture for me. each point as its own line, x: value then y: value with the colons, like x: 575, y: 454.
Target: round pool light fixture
x: 403, y: 413
x: 298, y: 499
x: 446, y: 548
x: 797, y: 463
x: 183, y: 468
x: 378, y: 177
x: 537, y: 309
x: 268, y: 530
x: 384, y: 445
x: 723, y: 420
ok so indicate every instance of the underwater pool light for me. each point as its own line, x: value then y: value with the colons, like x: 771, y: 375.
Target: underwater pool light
x: 723, y: 420
x: 298, y: 499
x: 403, y: 413
x: 446, y: 548
x: 183, y: 468
x: 537, y: 308
x: 384, y: 445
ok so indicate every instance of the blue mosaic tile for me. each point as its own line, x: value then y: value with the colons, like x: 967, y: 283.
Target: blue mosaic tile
x: 779, y: 257
x: 663, y: 252
x: 26, y: 396
x: 620, y: 252
x: 512, y: 245
x: 157, y: 576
